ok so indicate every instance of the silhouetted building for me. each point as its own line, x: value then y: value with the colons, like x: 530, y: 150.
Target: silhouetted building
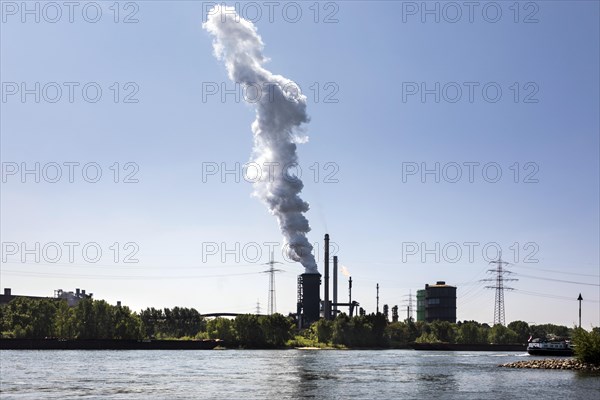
x: 421, y: 305
x: 309, y: 302
x: 7, y: 297
x: 72, y: 298
x: 440, y: 302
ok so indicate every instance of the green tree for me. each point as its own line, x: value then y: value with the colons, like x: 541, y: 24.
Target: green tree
x: 30, y: 318
x: 444, y: 331
x: 378, y: 323
x: 94, y: 319
x: 249, y: 332
x: 427, y: 338
x: 179, y: 322
x: 277, y: 329
x: 547, y: 331
x: 127, y: 325
x: 341, y: 330
x: 521, y: 328
x: 65, y: 321
x: 222, y: 328
x: 415, y: 329
x: 469, y: 333
x: 397, y: 334
x: 323, y: 330
x: 499, y: 334
x: 103, y: 320
x: 587, y: 345
x: 152, y: 322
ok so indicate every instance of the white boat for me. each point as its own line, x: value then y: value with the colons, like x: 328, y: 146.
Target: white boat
x: 543, y: 347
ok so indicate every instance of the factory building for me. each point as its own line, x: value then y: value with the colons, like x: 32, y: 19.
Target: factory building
x: 309, y: 299
x: 437, y: 303
x: 421, y: 305
x: 72, y: 298
x: 309, y: 306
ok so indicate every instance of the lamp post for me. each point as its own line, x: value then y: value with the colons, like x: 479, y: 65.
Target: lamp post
x: 579, y: 299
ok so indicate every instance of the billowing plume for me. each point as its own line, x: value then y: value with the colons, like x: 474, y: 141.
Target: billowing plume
x: 280, y: 110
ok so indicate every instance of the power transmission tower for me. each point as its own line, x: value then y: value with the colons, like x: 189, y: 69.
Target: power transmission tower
x: 498, y: 281
x: 257, y: 307
x: 272, y: 306
x: 409, y: 313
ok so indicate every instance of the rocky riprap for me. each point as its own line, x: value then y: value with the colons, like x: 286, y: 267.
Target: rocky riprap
x: 550, y: 363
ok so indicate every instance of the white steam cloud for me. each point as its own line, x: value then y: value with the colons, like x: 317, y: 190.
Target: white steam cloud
x: 280, y: 110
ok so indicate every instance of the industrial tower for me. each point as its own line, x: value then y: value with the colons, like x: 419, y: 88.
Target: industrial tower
x: 409, y: 306
x: 500, y: 271
x: 272, y: 306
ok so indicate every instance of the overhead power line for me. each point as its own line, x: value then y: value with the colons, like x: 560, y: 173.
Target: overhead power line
x: 552, y: 296
x: 559, y: 280
x: 133, y: 277
x: 556, y: 271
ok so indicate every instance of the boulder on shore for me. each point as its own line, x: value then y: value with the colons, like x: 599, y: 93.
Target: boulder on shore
x: 553, y: 363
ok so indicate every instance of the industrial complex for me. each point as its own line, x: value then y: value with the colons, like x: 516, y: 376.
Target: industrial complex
x: 435, y: 302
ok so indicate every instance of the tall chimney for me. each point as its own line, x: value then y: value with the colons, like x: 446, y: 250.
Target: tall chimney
x: 350, y: 294
x: 326, y: 305
x: 335, y: 285
x: 378, y: 298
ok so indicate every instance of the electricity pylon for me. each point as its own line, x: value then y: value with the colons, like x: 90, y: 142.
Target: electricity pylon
x: 499, y: 280
x: 272, y: 307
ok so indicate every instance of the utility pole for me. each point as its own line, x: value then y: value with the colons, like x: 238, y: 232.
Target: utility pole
x: 499, y: 280
x: 257, y: 307
x: 272, y: 306
x: 579, y: 299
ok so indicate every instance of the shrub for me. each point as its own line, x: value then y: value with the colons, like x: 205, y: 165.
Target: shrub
x: 587, y: 345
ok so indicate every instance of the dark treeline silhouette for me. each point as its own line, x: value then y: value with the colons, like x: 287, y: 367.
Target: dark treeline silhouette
x: 96, y: 319
x: 89, y: 319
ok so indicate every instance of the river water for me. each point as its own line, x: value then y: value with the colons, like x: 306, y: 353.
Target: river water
x: 283, y: 374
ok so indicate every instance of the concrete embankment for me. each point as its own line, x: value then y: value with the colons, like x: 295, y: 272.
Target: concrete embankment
x: 553, y: 363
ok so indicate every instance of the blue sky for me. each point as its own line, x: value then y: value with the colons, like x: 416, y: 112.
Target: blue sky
x: 362, y: 137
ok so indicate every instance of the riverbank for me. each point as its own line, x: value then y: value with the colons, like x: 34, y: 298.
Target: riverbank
x: 107, y: 344
x: 553, y: 363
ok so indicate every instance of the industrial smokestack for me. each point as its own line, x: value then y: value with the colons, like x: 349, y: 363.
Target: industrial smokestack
x: 378, y: 298
x: 335, y: 285
x: 350, y: 294
x: 280, y: 112
x: 310, y: 299
x: 326, y: 305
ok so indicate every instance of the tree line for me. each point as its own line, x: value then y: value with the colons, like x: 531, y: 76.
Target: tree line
x: 96, y: 319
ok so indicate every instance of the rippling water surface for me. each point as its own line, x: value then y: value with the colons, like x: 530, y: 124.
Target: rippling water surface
x: 283, y: 374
